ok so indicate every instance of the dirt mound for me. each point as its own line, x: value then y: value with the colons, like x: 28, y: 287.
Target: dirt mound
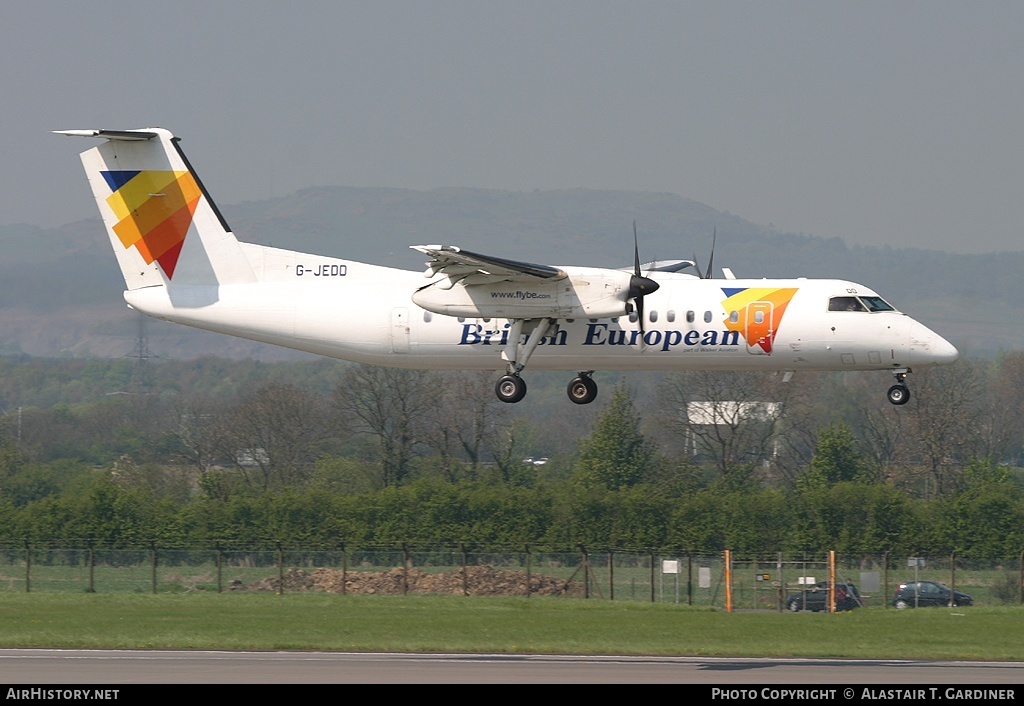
x: 473, y: 581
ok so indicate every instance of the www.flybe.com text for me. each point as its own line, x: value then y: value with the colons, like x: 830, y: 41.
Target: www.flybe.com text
x: 519, y: 295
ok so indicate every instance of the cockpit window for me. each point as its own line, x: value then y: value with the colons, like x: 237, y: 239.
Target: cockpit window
x: 845, y: 304
x: 849, y: 303
x: 877, y: 304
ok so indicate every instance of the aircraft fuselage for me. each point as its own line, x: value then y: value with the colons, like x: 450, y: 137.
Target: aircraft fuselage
x: 364, y: 313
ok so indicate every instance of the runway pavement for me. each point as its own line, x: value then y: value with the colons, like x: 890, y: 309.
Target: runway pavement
x: 37, y: 668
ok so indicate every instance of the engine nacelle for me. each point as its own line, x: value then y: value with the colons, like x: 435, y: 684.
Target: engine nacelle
x: 584, y: 293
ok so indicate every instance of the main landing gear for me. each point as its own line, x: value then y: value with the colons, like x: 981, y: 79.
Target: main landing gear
x: 582, y: 389
x: 899, y: 393
x: 511, y: 387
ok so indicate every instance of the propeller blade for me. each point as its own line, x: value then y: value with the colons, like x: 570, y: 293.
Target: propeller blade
x: 639, y: 286
x: 636, y: 253
x: 714, y: 237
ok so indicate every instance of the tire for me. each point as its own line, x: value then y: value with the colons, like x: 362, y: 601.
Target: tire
x: 899, y: 394
x: 510, y: 388
x: 902, y: 604
x: 582, y: 390
x: 794, y: 606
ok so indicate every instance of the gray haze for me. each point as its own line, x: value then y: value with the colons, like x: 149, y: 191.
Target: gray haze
x: 879, y: 123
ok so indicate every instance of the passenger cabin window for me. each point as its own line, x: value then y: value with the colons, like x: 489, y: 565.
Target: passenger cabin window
x: 734, y: 317
x: 845, y: 304
x: 654, y: 316
x: 758, y: 317
x: 707, y: 317
x: 670, y: 315
x: 689, y: 317
x: 428, y: 316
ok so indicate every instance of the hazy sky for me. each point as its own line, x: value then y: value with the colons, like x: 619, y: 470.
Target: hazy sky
x: 887, y: 122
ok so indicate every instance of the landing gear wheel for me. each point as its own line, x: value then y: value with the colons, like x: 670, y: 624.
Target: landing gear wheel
x: 582, y: 389
x: 899, y: 394
x: 510, y: 388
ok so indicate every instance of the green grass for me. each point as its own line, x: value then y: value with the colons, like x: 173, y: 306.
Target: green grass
x: 500, y: 625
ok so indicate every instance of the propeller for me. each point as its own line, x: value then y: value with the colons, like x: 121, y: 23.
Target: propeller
x: 711, y: 259
x: 639, y: 286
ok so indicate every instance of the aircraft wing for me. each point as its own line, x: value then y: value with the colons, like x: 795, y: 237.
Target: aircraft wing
x: 456, y: 263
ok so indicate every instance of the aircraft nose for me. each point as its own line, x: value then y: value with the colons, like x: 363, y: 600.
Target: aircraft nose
x: 930, y: 348
x: 944, y: 351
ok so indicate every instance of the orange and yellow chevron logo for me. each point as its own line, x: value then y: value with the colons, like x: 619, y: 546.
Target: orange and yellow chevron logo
x: 759, y: 312
x: 154, y: 209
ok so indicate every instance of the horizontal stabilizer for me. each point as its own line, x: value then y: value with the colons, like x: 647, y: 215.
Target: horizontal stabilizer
x: 125, y: 135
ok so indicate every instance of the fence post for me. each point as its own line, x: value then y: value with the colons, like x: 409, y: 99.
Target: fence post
x: 152, y: 562
x: 92, y: 567
x: 586, y: 572
x: 952, y: 578
x: 280, y: 569
x: 756, y: 566
x: 780, y: 598
x: 405, y: 569
x: 728, y: 581
x: 529, y: 581
x: 28, y: 568
x: 885, y: 579
x: 220, y: 571
x: 611, y: 574
x: 653, y: 597
x: 344, y: 570
x: 831, y: 580
x: 465, y: 571
x: 689, y: 579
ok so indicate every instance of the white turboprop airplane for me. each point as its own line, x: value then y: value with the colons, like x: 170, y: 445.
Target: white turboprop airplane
x: 468, y: 311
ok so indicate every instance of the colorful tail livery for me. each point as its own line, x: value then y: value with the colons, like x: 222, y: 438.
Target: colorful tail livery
x: 470, y: 311
x: 156, y: 211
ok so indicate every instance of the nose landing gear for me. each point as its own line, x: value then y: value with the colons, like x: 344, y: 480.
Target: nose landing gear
x: 899, y: 393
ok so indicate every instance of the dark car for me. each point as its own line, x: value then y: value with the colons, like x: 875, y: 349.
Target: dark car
x: 921, y: 593
x: 815, y: 598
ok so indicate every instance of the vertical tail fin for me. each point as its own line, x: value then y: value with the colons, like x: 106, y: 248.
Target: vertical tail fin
x: 162, y: 224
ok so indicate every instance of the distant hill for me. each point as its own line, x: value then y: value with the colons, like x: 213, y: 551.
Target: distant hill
x: 60, y: 289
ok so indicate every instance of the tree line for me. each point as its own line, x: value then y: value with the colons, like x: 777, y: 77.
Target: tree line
x: 324, y: 452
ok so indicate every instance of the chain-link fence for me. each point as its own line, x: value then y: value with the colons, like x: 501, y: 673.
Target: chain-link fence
x: 717, y: 580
